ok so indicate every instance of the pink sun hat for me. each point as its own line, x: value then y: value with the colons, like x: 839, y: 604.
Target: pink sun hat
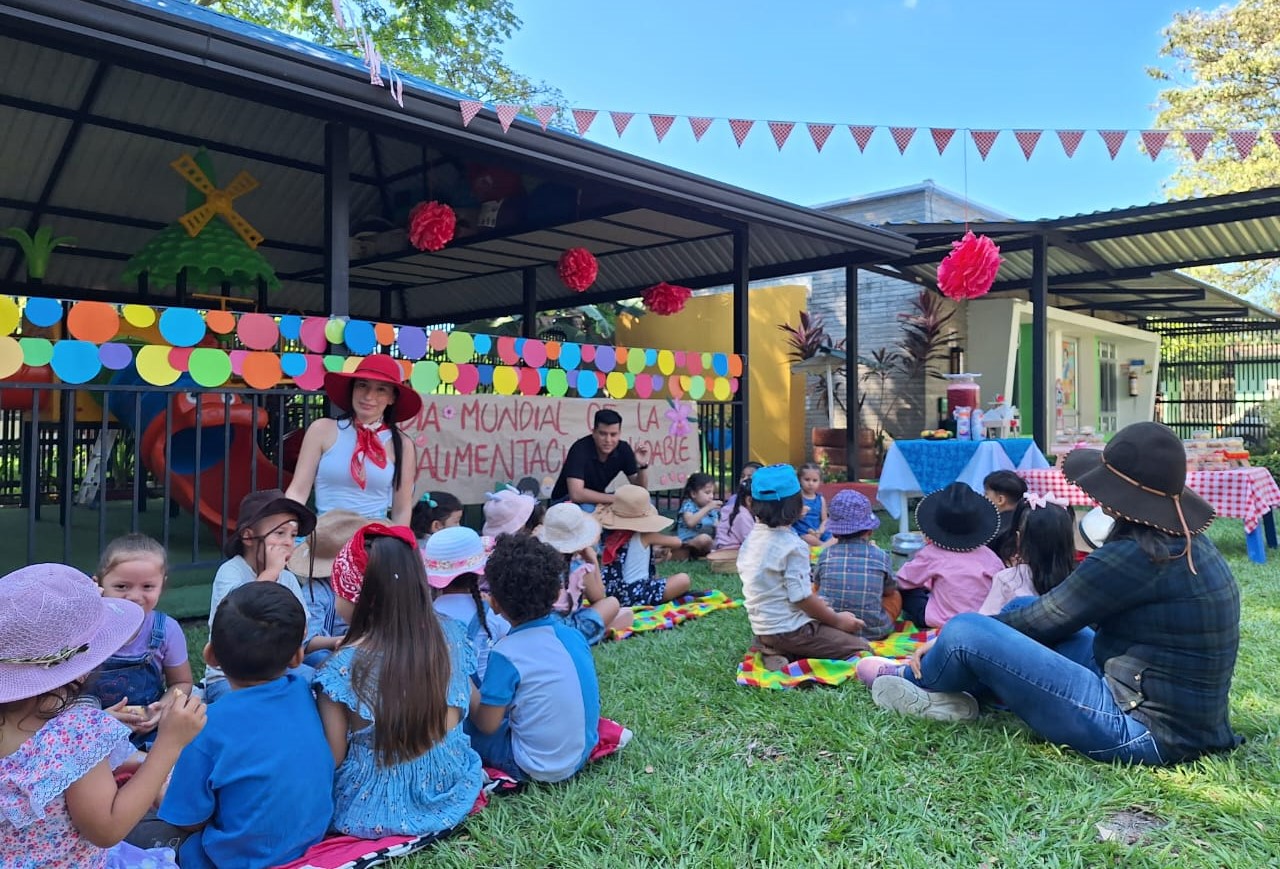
x: 506, y: 511
x: 55, y: 626
x: 452, y: 552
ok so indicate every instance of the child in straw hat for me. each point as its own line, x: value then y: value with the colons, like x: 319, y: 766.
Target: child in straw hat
x: 574, y: 534
x: 312, y: 563
x: 627, y: 562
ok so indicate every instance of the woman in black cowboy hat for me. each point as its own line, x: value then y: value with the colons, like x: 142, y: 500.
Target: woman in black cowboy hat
x: 1148, y: 682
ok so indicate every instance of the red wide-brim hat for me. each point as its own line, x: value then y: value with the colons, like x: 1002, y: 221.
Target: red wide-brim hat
x: 380, y: 367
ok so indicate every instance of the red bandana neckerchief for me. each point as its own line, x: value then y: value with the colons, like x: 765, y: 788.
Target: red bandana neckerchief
x: 613, y: 545
x: 368, y: 446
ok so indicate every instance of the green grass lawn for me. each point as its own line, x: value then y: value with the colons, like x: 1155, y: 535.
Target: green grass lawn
x: 720, y: 775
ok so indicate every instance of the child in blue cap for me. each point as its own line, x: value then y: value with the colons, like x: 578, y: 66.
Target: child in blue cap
x: 789, y: 621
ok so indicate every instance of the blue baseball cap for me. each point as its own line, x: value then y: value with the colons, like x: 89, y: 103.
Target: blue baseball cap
x: 773, y: 483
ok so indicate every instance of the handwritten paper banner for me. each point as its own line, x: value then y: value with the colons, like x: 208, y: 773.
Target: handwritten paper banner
x: 469, y: 445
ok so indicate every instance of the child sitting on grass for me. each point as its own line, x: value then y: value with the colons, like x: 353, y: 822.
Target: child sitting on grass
x: 510, y: 511
x: 811, y: 525
x: 736, y: 521
x: 455, y: 560
x: 787, y: 618
x: 433, y: 512
x: 312, y: 563
x: 393, y: 698
x: 854, y: 574
x: 255, y: 788
x: 131, y: 683
x: 1005, y: 489
x: 537, y: 715
x: 267, y: 527
x: 574, y: 535
x: 952, y: 573
x: 698, y: 516
x: 1045, y: 542
x: 627, y: 561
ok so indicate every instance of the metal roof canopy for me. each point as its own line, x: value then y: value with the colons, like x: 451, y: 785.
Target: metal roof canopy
x: 98, y: 96
x: 1122, y: 261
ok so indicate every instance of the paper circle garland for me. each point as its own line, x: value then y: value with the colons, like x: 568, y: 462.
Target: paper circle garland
x: 578, y: 269
x: 970, y: 269
x: 431, y: 225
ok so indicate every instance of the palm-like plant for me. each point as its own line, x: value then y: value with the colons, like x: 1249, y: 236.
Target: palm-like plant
x: 37, y: 249
x: 925, y: 335
x: 808, y: 340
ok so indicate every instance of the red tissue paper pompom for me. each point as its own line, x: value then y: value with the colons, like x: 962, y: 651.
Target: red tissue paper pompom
x: 578, y: 268
x: 970, y: 269
x: 666, y: 299
x: 431, y: 225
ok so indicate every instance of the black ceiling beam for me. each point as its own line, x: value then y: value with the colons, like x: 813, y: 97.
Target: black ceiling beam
x: 376, y: 154
x: 1200, y: 218
x: 1137, y: 271
x: 1063, y: 242
x: 171, y: 136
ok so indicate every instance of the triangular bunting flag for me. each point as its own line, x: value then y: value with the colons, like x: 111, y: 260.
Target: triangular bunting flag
x: 861, y: 135
x: 662, y: 125
x: 741, y: 127
x: 984, y: 139
x: 819, y: 133
x: 902, y: 137
x: 700, y: 127
x: 1070, y: 140
x: 620, y: 121
x: 1027, y: 141
x: 942, y: 137
x: 470, y: 108
x: 1244, y: 140
x: 781, y: 131
x: 583, y: 118
x: 1197, y: 141
x: 1153, y: 141
x: 544, y: 114
x: 506, y: 114
x: 1113, y: 139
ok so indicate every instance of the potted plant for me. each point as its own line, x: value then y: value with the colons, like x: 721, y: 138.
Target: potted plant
x: 808, y: 341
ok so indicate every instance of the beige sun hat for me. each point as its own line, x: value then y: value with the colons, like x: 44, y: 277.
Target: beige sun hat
x: 566, y: 528
x: 314, y: 557
x: 631, y: 510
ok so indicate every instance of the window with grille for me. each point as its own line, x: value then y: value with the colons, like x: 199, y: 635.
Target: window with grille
x: 1108, y: 386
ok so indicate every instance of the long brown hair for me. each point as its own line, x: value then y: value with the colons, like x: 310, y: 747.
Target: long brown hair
x: 401, y: 668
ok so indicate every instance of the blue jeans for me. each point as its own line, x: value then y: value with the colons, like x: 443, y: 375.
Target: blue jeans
x: 1058, y: 691
x: 495, y: 748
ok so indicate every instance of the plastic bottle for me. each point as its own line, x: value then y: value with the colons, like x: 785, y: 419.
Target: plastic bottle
x: 975, y: 425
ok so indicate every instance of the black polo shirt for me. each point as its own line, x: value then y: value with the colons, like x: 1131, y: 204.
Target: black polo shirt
x: 581, y: 462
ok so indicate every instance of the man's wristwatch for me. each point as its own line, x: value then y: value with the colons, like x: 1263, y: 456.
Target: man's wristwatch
x: 640, y: 468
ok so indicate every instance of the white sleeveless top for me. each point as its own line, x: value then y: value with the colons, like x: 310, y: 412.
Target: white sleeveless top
x: 335, y: 490
x: 636, y: 567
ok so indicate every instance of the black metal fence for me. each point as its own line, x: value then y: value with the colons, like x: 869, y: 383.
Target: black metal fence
x: 1224, y: 382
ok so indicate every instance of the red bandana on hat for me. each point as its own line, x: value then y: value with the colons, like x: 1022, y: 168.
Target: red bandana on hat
x: 348, y: 568
x: 368, y: 446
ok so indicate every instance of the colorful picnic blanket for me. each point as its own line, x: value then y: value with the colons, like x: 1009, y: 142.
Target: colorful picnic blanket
x: 824, y: 671
x: 678, y: 611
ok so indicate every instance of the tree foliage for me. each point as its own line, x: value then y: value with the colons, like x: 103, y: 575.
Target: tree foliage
x: 454, y: 43
x: 1225, y: 75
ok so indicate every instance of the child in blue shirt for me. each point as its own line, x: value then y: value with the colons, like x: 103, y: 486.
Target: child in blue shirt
x: 537, y: 715
x: 255, y: 788
x: 699, y: 514
x: 812, y: 524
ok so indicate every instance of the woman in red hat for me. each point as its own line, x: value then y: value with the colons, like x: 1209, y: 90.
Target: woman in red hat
x: 361, y: 461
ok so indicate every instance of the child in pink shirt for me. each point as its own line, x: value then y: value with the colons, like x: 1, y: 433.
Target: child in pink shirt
x: 952, y: 573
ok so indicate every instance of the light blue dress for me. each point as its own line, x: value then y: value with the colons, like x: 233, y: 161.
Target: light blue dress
x: 428, y: 794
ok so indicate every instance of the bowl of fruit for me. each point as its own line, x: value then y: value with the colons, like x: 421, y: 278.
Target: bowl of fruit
x: 936, y: 434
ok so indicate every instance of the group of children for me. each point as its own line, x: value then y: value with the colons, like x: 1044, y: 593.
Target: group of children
x: 379, y: 668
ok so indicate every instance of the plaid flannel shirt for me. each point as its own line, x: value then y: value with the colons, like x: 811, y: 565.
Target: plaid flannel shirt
x: 854, y: 576
x: 1166, y: 638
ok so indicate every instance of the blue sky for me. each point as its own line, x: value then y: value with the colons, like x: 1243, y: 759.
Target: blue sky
x: 980, y: 64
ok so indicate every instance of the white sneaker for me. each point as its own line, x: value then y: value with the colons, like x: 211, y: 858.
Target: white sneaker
x: 908, y: 698
x: 626, y: 736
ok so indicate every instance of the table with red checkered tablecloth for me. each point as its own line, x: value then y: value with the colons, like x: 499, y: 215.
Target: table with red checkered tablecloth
x: 1241, y: 493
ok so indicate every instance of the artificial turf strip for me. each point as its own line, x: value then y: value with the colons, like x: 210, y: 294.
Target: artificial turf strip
x: 721, y: 776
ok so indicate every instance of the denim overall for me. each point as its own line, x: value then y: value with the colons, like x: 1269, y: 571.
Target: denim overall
x: 138, y: 677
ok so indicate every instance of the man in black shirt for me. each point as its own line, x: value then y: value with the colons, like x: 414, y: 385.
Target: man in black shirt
x: 594, y: 461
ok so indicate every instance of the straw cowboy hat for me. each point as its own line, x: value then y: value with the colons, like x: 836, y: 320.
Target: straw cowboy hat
x: 957, y: 518
x: 631, y: 511
x: 1141, y: 476
x: 567, y: 529
x: 55, y: 626
x: 314, y: 558
x: 379, y: 367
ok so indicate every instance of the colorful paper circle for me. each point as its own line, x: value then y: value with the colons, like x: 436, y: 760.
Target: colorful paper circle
x: 650, y: 356
x: 448, y: 372
x: 587, y: 384
x: 735, y: 365
x: 258, y: 331
x: 720, y: 389
x: 36, y: 351
x: 483, y: 344
x: 360, y: 337
x: 293, y: 364
x: 334, y: 330
x: 485, y: 373
x: 10, y: 316
x: 182, y: 327
x: 507, y: 350
x: 675, y: 387
x: 139, y: 316
x: 333, y: 362
x: 95, y: 322
x: 385, y: 333
x: 693, y: 361
x: 459, y: 347
x: 115, y: 357
x: 426, y: 375
x: 506, y: 380
x: 643, y: 386
x: 570, y: 356
x: 606, y: 360
x: 220, y: 322
x: 209, y: 366
x: 636, y: 360
x: 439, y: 340
x: 588, y: 352
x: 412, y: 342
x: 616, y: 384
x: 557, y: 382
x: 666, y: 362
x: 530, y: 381
x: 153, y: 365
x: 261, y: 370
x: 468, y: 379
x: 178, y: 357
x: 697, y: 387
x: 43, y: 312
x: 290, y: 327
x: 534, y: 353
x: 720, y: 364
x: 312, y: 334
x: 10, y: 356
x: 313, y: 377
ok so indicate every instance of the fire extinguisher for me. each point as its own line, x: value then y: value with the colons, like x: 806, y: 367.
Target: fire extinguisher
x: 1133, y: 383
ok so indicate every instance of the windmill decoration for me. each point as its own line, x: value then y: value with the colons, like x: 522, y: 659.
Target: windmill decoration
x: 216, y: 202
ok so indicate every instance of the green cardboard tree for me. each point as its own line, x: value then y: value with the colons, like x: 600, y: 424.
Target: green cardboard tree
x: 213, y: 243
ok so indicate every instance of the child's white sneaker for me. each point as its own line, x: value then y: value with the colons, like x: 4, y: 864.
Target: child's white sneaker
x: 626, y: 736
x: 908, y: 698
